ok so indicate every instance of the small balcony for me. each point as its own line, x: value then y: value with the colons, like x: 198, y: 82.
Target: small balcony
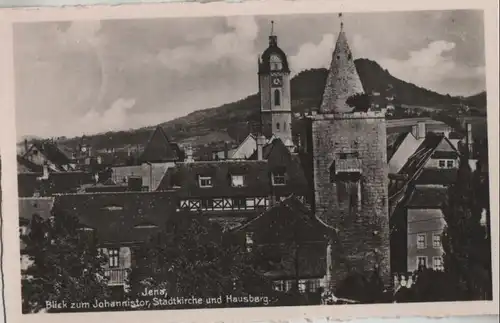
x: 116, y: 276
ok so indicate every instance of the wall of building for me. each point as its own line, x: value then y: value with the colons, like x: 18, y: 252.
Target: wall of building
x: 365, y: 234
x: 425, y: 222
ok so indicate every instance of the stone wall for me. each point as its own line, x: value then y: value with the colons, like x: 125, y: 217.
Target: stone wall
x: 363, y: 233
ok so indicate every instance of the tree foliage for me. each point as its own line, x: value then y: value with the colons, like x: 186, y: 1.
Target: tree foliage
x: 193, y: 256
x: 360, y: 102
x: 466, y: 242
x: 65, y: 266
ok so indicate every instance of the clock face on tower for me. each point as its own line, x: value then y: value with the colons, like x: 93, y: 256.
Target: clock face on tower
x: 276, y: 81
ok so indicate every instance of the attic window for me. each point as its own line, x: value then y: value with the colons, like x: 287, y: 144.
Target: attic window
x: 205, y: 181
x: 237, y: 180
x: 113, y: 208
x: 279, y: 178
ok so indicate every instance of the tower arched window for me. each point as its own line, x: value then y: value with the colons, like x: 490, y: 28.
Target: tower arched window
x: 277, y: 126
x: 284, y: 125
x: 277, y: 97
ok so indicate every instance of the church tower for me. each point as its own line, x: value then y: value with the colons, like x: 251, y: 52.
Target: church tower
x: 274, y: 89
x: 348, y: 148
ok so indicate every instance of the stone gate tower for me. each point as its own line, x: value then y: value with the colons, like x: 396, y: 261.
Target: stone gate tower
x: 349, y: 155
x: 274, y: 88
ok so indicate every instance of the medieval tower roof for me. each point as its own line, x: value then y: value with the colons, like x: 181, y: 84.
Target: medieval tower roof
x: 343, y: 80
x: 273, y: 49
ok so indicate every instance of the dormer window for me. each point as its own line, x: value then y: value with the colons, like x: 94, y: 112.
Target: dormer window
x: 205, y: 181
x: 279, y: 178
x: 237, y: 180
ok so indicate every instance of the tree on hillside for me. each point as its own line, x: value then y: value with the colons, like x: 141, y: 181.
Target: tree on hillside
x: 361, y: 102
x: 193, y: 256
x: 466, y: 244
x: 66, y: 265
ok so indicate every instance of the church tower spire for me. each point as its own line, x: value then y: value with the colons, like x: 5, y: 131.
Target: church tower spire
x: 343, y: 80
x: 274, y: 88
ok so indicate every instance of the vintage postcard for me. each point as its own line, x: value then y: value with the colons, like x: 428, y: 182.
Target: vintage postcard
x: 264, y: 160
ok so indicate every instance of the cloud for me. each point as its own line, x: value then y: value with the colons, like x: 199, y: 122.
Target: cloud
x: 117, y: 117
x: 311, y: 55
x: 237, y: 47
x: 432, y: 65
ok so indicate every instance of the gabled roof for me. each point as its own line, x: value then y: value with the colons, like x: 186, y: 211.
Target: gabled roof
x: 342, y: 81
x: 428, y: 197
x: 278, y: 226
x: 26, y: 166
x: 415, y: 163
x: 160, y: 149
x: 257, y: 177
x: 51, y: 152
x: 115, y: 216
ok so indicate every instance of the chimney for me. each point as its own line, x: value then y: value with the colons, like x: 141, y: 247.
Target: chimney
x: 418, y: 130
x: 45, y: 174
x: 226, y: 150
x: 189, y: 154
x: 261, y: 141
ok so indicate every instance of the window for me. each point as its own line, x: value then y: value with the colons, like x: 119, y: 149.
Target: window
x: 302, y: 286
x: 279, y: 178
x: 421, y: 241
x: 422, y: 262
x: 284, y: 125
x: 237, y: 180
x: 114, y: 257
x: 437, y: 263
x: 442, y: 164
x: 450, y: 163
x: 313, y: 285
x: 279, y: 285
x: 205, y: 181
x: 277, y: 126
x: 277, y: 97
x: 436, y: 240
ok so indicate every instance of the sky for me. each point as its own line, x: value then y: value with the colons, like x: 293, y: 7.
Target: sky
x: 85, y: 77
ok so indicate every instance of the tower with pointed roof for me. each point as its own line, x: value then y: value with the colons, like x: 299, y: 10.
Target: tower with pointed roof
x: 274, y: 89
x: 348, y: 150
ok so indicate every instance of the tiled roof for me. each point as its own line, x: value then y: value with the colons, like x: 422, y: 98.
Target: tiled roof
x: 51, y: 151
x: 445, y: 155
x: 160, y: 149
x: 290, y: 221
x: 417, y: 161
x: 437, y: 176
x: 26, y: 166
x: 342, y: 81
x: 116, y: 216
x: 397, y: 142
x: 428, y: 197
x: 62, y: 182
x: 257, y: 178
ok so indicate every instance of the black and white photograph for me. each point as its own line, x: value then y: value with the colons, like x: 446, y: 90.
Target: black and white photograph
x: 256, y: 160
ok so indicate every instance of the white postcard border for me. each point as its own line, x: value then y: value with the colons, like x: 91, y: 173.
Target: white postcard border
x: 11, y: 255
